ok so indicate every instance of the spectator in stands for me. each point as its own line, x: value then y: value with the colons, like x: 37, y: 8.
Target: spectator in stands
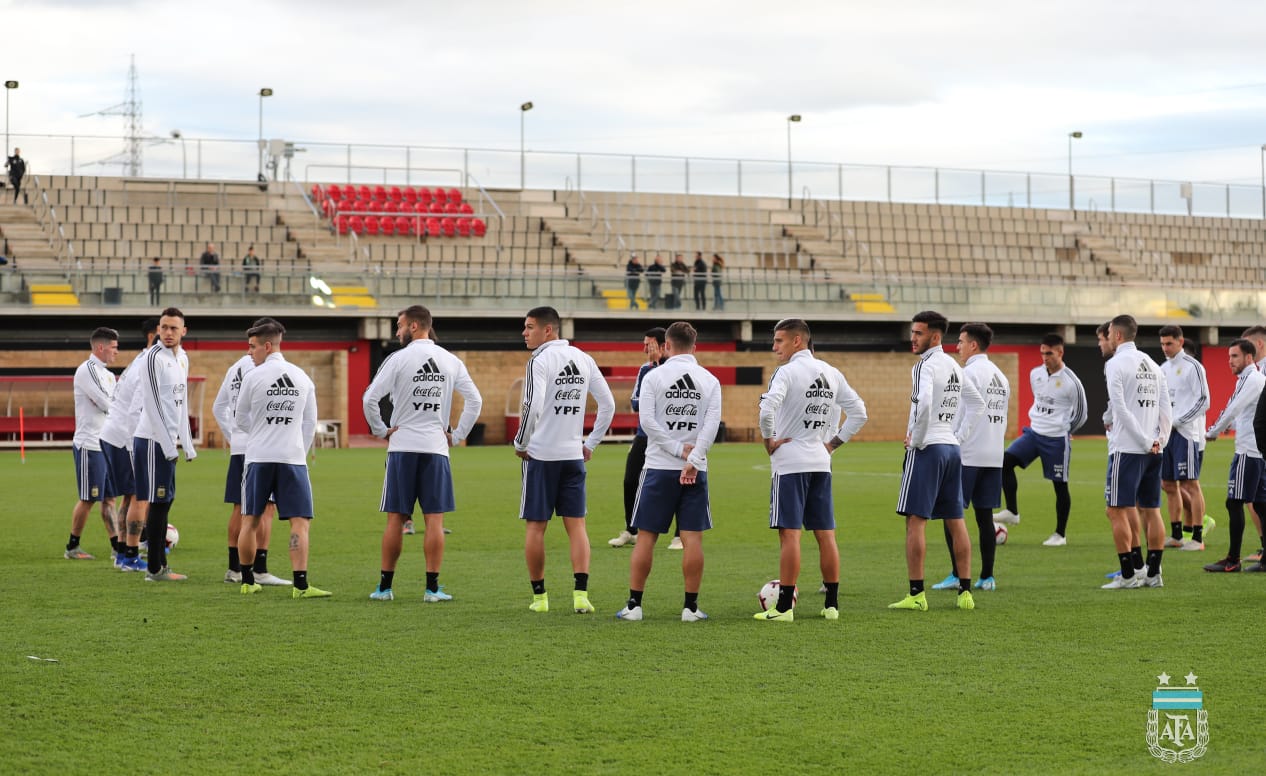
x: 16, y: 166
x: 678, y: 271
x: 210, y: 262
x: 655, y: 279
x: 700, y: 272
x: 155, y: 281
x: 250, y: 267
x: 718, y: 264
x: 633, y: 278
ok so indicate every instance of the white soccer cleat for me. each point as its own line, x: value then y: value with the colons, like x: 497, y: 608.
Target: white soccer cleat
x: 268, y: 580
x: 1155, y: 581
x: 1171, y: 542
x: 233, y: 577
x: 695, y: 616
x: 625, y: 538
x: 633, y: 615
x: 675, y: 544
x: 1190, y: 545
x: 1055, y: 540
x: 1006, y: 517
x: 1121, y: 583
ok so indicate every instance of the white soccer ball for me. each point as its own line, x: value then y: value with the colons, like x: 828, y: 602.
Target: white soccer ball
x: 768, y: 595
x: 173, y: 536
x: 999, y: 533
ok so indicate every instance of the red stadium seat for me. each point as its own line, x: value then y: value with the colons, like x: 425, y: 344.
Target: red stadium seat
x: 410, y: 195
x: 360, y: 206
x: 437, y: 207
x: 333, y: 191
x: 371, y: 225
x: 394, y: 194
x: 440, y: 194
x: 392, y: 207
x: 343, y: 224
x: 421, y: 207
x: 403, y: 224
x: 451, y: 207
x: 479, y: 227
x: 356, y: 224
x: 424, y: 195
x: 387, y: 226
x: 380, y: 193
x: 363, y: 194
x: 466, y: 208
x: 454, y: 196
x: 377, y: 206
x: 463, y: 227
x: 433, y: 227
x: 316, y: 192
x: 449, y: 228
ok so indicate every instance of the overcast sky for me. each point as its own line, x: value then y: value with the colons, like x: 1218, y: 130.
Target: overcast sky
x: 1162, y: 88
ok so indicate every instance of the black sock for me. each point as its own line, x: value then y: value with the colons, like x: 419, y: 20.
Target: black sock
x: 260, y: 565
x: 582, y: 581
x: 1235, y: 531
x: 916, y: 586
x: 538, y: 586
x: 691, y: 602
x: 1063, y: 506
x: 964, y: 584
x: 1009, y: 483
x: 1127, y: 565
x: 235, y: 563
x: 1153, y: 562
x: 384, y: 580
x: 156, y: 526
x: 1175, y: 530
x: 132, y: 552
x: 301, y: 580
x: 988, y: 541
x: 1197, y: 533
x: 832, y: 595
x: 114, y: 544
x: 786, y: 598
x: 433, y: 581
x: 949, y: 543
x: 635, y: 598
x: 72, y: 543
x: 1136, y: 557
x: 248, y: 575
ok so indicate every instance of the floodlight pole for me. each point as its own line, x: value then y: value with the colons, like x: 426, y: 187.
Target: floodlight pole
x: 1263, y: 158
x: 523, y: 109
x: 265, y: 92
x: 792, y: 119
x: 8, y: 87
x: 1071, y: 185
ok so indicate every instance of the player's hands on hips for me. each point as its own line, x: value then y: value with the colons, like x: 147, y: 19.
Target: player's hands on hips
x: 522, y: 454
x: 773, y: 444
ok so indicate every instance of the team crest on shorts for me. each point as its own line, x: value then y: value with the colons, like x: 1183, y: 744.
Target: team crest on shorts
x: 1177, y: 723
x: 161, y: 491
x: 94, y: 491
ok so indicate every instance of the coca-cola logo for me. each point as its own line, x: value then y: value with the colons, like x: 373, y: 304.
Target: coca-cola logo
x: 573, y: 394
x: 433, y: 392
x: 681, y: 409
x: 281, y: 406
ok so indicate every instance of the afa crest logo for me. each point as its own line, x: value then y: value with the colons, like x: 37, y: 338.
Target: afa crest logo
x: 1177, y: 723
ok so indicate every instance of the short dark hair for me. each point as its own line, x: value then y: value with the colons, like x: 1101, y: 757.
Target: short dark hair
x: 1254, y: 331
x: 266, y: 331
x: 1189, y: 346
x: 934, y: 320
x: 103, y: 334
x: 546, y: 316
x: 657, y: 332
x: 266, y: 319
x: 149, y: 326
x: 682, y: 334
x: 1053, y: 340
x: 172, y: 312
x: 1171, y: 330
x: 795, y: 326
x: 417, y: 314
x: 1101, y: 330
x: 1245, y: 345
x: 1128, y: 327
x: 980, y: 333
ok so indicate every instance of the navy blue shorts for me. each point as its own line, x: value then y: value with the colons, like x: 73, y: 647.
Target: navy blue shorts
x: 155, y: 475
x: 1133, y: 480
x: 233, y: 480
x: 801, y: 500
x: 660, y: 495
x: 1054, y: 452
x: 1181, y: 459
x: 286, y: 483
x: 1247, y: 481
x: 552, y: 488
x: 982, y: 487
x: 121, y: 480
x: 932, y: 483
x: 417, y: 478
x: 90, y: 474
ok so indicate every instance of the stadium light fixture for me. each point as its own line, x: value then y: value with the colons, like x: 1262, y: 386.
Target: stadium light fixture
x: 8, y: 87
x: 792, y: 119
x: 265, y: 92
x: 523, y: 109
x: 1071, y: 187
x: 184, y: 159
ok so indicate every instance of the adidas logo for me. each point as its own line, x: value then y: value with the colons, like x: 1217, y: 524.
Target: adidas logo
x: 570, y: 375
x: 996, y: 387
x: 821, y: 389
x: 283, y: 387
x: 684, y: 388
x: 429, y: 373
x: 953, y: 385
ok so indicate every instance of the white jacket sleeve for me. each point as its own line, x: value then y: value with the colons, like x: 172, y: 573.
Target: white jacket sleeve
x: 707, y: 430
x: 309, y: 423
x: 770, y: 401
x: 854, y: 411
x: 473, y: 404
x: 606, y: 406
x: 222, y: 408
x: 533, y: 403
x: 371, y: 402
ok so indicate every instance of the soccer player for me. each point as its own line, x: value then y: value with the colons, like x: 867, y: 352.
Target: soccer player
x: 680, y: 410
x: 796, y: 422
x: 981, y: 451
x: 94, y: 388
x: 653, y: 346
x: 1138, y: 398
x: 276, y: 412
x: 224, y: 409
x: 1247, y: 481
x: 1184, y: 454
x: 1257, y: 335
x: 420, y: 381
x: 163, y: 424
x: 1059, y: 409
x: 558, y: 380
x: 931, y: 476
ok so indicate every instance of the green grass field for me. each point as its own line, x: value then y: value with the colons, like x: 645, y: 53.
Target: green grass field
x: 1049, y: 674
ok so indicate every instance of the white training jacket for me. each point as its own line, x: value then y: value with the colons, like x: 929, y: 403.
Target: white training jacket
x: 94, y: 388
x: 802, y: 403
x: 1189, y: 395
x: 225, y: 406
x: 984, y: 442
x: 1138, y: 397
x: 125, y: 409
x: 277, y: 411
x: 163, y: 391
x: 1238, y: 414
x: 420, y: 380
x: 1059, y: 402
x: 679, y: 405
x: 939, y: 393
x: 557, y: 381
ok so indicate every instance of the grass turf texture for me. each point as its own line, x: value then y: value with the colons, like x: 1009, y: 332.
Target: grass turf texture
x: 1049, y: 674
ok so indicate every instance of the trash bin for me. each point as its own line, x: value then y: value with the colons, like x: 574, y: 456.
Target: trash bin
x: 112, y: 296
x: 476, y: 436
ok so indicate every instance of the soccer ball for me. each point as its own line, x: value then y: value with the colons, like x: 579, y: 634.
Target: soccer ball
x: 173, y: 536
x: 768, y: 595
x: 999, y: 533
